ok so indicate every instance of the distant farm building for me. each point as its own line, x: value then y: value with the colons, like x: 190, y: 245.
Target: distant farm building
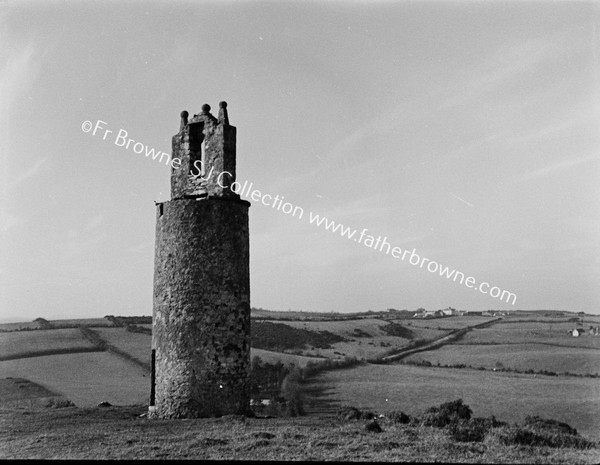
x: 449, y: 311
x: 421, y: 313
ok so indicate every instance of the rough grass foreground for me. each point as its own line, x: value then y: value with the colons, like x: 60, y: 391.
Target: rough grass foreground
x: 120, y: 433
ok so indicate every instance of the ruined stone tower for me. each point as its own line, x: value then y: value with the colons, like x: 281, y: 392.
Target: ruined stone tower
x: 201, y: 315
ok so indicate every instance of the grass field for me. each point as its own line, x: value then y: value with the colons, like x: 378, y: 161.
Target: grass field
x: 521, y: 357
x: 447, y: 323
x: 527, y: 332
x: 18, y: 326
x: 295, y: 315
x: 22, y: 393
x: 89, y: 378
x: 286, y: 359
x: 345, y: 329
x: 20, y: 343
x: 365, y: 338
x: 508, y: 396
x: 120, y: 433
x: 137, y: 345
x: 86, y: 379
x: 91, y: 322
x: 12, y: 389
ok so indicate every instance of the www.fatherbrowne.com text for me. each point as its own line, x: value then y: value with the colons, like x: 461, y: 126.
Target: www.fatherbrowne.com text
x: 380, y: 244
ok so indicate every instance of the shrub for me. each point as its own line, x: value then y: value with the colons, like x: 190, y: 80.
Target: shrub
x: 447, y: 413
x: 373, y: 427
x: 536, y: 431
x: 56, y: 402
x: 474, y: 429
x: 280, y: 337
x: 43, y: 323
x: 291, y: 392
x: 397, y: 416
x: 348, y: 412
x: 138, y: 329
x: 524, y: 436
x: 367, y: 415
x: 276, y: 408
x: 314, y: 368
x: 553, y: 426
x: 360, y: 333
x: 394, y: 329
x: 266, y: 378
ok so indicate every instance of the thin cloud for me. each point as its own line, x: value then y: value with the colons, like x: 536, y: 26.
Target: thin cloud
x: 95, y: 222
x: 462, y: 200
x: 27, y: 174
x: 9, y: 221
x: 471, y: 84
x: 558, y: 167
x: 509, y: 63
x: 141, y: 247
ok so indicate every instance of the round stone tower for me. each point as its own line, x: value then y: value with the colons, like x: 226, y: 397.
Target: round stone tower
x: 201, y: 314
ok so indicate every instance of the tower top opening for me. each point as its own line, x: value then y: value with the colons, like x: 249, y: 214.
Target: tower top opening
x: 206, y: 147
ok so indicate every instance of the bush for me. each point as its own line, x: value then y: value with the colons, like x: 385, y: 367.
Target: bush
x: 348, y: 413
x: 55, y: 402
x: 367, y: 415
x: 280, y: 337
x: 43, y: 323
x: 540, y: 432
x: 554, y: 426
x: 524, y: 436
x: 352, y: 413
x: 314, y: 368
x: 473, y: 430
x: 291, y: 392
x: 373, y: 427
x: 447, y: 413
x: 394, y: 329
x: 266, y: 378
x: 397, y: 416
x: 138, y: 329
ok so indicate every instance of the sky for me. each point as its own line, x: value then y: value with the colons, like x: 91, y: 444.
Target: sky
x: 465, y: 133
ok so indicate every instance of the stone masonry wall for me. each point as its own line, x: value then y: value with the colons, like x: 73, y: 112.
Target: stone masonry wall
x: 201, y: 320
x: 204, y: 132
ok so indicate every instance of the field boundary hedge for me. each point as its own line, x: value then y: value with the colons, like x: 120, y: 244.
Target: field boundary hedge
x: 531, y: 371
x: 43, y: 353
x: 103, y: 345
x: 425, y: 345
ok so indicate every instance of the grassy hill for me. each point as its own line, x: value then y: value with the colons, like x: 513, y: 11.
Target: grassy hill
x: 121, y: 433
x: 508, y: 396
x: 94, y: 360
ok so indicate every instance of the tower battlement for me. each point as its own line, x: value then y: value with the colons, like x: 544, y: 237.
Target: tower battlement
x: 206, y: 147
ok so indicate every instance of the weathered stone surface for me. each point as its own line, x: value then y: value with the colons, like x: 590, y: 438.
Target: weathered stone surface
x: 201, y: 316
x: 204, y: 174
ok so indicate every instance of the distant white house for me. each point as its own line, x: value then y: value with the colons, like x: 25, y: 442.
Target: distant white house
x: 577, y: 332
x: 422, y: 313
x: 449, y: 311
